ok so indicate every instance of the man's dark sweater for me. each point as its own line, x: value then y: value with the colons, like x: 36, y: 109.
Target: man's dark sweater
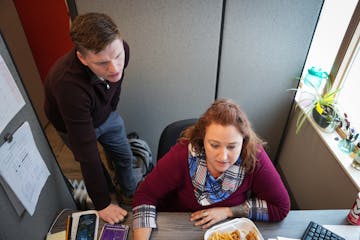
x: 77, y: 102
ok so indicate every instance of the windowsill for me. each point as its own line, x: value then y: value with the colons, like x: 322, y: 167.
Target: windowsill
x: 343, y: 159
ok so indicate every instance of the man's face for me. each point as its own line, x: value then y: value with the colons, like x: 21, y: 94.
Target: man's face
x: 107, y: 64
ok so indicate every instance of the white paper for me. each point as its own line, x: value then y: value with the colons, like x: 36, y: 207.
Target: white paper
x: 23, y: 168
x: 284, y: 238
x: 11, y: 100
x: 349, y: 232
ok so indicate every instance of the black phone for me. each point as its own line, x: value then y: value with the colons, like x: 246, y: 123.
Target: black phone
x: 86, y: 227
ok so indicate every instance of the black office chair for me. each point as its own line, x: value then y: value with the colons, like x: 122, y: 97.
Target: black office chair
x: 171, y: 133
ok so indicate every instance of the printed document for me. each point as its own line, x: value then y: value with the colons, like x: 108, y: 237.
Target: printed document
x: 23, y: 168
x: 349, y: 232
x: 11, y: 100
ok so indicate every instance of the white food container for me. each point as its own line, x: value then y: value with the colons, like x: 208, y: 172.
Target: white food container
x: 244, y: 225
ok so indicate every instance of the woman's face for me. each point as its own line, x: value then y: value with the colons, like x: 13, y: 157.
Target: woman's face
x: 223, y: 146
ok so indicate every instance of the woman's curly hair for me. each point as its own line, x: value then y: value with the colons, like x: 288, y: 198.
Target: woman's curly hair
x: 225, y: 112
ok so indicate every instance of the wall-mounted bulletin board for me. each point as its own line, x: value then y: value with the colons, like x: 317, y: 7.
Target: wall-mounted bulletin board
x: 33, y: 189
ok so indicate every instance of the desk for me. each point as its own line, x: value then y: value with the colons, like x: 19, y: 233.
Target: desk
x: 173, y: 225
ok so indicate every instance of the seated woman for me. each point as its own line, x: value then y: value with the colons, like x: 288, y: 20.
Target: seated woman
x: 217, y: 170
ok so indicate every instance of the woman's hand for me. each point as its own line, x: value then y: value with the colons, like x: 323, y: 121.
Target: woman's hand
x: 208, y: 217
x: 142, y: 233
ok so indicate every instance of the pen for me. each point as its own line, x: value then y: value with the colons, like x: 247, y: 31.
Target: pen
x: 68, y: 228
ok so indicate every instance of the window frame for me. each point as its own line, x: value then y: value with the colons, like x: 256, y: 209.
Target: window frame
x: 347, y: 50
x: 337, y: 76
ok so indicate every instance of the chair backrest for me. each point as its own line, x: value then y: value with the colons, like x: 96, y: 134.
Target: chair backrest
x: 171, y: 133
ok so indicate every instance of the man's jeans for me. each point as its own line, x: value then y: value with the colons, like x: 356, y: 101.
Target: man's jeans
x: 112, y: 136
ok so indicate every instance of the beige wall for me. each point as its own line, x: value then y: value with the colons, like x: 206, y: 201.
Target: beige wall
x: 314, y: 176
x: 15, y: 38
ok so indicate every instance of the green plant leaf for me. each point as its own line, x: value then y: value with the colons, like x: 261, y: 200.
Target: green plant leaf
x: 325, y: 100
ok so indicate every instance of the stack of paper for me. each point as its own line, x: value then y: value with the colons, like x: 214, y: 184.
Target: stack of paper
x: 349, y: 232
x: 283, y: 238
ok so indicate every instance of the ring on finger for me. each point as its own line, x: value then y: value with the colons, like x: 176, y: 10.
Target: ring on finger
x: 205, y: 214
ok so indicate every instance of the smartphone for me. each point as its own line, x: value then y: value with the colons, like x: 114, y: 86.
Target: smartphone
x: 114, y: 232
x: 86, y: 227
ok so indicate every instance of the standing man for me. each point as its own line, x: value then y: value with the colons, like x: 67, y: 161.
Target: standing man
x: 82, y: 91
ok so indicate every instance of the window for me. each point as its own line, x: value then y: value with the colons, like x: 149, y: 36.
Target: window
x: 344, y: 55
x: 330, y: 30
x: 350, y: 81
x: 335, y: 49
x: 348, y: 97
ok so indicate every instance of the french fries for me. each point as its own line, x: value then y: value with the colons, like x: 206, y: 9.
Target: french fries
x: 234, y: 235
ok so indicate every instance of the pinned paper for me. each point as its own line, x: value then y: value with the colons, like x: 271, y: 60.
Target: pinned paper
x: 23, y: 168
x: 11, y: 100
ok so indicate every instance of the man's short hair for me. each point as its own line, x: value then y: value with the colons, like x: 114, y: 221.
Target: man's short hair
x: 93, y: 32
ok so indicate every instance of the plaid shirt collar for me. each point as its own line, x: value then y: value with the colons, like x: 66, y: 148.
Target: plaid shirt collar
x: 209, y: 190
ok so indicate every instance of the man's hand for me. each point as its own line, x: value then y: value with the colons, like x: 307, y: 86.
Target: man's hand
x: 112, y: 214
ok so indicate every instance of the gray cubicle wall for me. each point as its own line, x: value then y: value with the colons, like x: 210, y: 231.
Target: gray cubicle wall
x: 265, y: 44
x: 173, y: 59
x: 174, y: 54
x: 54, y: 196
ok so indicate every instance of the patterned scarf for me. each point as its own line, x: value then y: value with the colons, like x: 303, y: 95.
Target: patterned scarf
x: 209, y: 190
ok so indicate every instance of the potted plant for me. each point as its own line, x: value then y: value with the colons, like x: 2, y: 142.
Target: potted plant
x: 321, y: 106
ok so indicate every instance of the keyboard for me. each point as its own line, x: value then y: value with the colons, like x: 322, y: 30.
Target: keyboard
x: 318, y: 232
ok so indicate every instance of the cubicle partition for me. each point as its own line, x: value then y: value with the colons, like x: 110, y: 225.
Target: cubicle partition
x: 184, y: 54
x: 17, y: 222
